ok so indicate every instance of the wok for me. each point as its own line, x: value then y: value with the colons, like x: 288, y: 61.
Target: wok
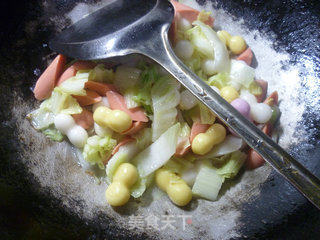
x: 44, y: 194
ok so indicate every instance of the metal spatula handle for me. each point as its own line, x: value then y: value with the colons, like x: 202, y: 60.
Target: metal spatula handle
x: 287, y: 166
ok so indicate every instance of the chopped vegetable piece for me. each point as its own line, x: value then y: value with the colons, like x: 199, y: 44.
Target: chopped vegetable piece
x: 73, y: 69
x: 148, y: 78
x: 232, y: 165
x: 41, y: 118
x: 61, y: 102
x: 124, y: 154
x: 219, y: 80
x: 100, y: 74
x: 189, y: 173
x: 187, y: 100
x: 241, y: 73
x: 165, y: 98
x: 98, y: 149
x: 158, y: 153
x: 126, y: 77
x: 229, y: 145
x: 141, y: 185
x: 75, y: 85
x: 123, y: 142
x: 143, y: 138
x: 275, y: 115
x: 200, y: 42
x: 188, y: 13
x: 206, y: 115
x: 53, y: 133
x: 208, y: 182
x: 129, y: 96
x: 183, y: 145
x: 221, y: 61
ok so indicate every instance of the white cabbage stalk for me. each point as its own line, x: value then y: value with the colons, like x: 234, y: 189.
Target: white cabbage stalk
x: 97, y: 149
x: 187, y: 100
x: 101, y: 74
x: 184, y: 134
x: 229, y: 145
x: 200, y: 42
x: 126, y: 77
x: 241, y: 73
x: 40, y: 118
x: 158, y: 153
x: 124, y: 154
x: 143, y: 138
x: 206, y: 115
x: 221, y: 61
x: 232, y: 165
x: 75, y: 85
x: 165, y: 97
x: 59, y: 102
x: 141, y: 185
x: 208, y: 182
x: 190, y: 172
x: 129, y: 94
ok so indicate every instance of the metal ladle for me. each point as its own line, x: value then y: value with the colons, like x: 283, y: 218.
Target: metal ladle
x: 141, y: 26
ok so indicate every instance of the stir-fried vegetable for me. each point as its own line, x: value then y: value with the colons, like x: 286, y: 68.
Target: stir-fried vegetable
x: 98, y: 149
x: 125, y: 154
x: 165, y: 98
x: 133, y: 124
x: 158, y: 153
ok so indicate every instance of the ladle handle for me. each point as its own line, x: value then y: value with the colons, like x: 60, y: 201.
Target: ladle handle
x: 279, y: 159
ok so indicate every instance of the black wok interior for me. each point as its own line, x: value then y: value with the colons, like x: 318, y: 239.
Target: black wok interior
x: 28, y: 213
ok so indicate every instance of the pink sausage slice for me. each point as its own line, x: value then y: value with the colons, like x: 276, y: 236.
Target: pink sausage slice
x: 101, y: 88
x: 117, y: 101
x: 183, y: 148
x: 197, y: 128
x: 72, y: 70
x: 91, y: 98
x: 84, y: 65
x: 254, y: 160
x: 84, y: 119
x: 246, y: 56
x: 49, y: 77
x: 68, y: 73
x: 136, y: 127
